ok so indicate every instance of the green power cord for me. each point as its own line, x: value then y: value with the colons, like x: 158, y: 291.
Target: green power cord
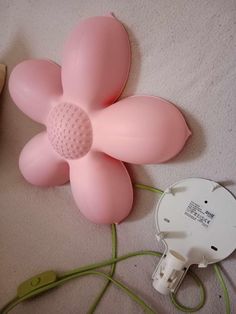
x: 58, y: 280
x: 113, y: 268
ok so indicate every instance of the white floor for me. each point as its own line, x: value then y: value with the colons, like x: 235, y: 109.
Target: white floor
x: 183, y: 51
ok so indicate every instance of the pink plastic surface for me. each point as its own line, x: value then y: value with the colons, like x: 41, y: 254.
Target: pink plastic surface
x: 85, y: 136
x: 140, y: 129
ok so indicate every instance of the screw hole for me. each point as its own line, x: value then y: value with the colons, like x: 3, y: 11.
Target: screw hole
x: 214, y: 248
x: 206, y: 202
x: 166, y: 220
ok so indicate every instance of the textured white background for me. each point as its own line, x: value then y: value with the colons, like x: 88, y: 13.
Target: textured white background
x: 183, y: 51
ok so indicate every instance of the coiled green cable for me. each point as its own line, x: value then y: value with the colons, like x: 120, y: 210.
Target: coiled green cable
x: 91, y: 270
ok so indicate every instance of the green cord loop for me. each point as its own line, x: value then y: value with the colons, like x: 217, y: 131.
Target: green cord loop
x: 187, y: 309
x: 91, y: 270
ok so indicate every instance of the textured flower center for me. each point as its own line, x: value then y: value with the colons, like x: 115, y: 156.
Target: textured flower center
x: 69, y: 131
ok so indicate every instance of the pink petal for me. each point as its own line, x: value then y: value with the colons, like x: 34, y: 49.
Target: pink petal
x: 34, y: 85
x: 41, y: 165
x: 140, y: 130
x: 101, y: 187
x: 96, y: 62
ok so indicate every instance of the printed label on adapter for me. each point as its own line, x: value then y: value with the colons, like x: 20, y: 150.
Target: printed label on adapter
x: 199, y: 214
